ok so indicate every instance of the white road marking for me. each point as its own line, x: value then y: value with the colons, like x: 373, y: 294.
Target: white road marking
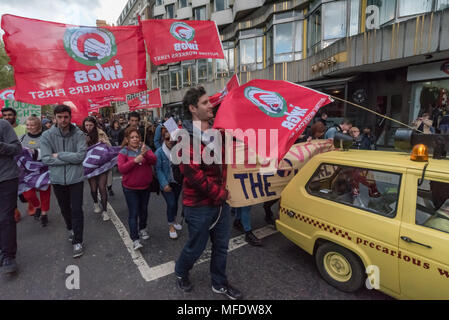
x: 165, y: 269
x: 136, y: 256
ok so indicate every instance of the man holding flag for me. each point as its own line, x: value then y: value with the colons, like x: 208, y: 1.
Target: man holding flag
x: 204, y: 200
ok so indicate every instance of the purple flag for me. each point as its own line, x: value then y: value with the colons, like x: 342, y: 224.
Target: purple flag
x: 99, y: 159
x: 33, y: 174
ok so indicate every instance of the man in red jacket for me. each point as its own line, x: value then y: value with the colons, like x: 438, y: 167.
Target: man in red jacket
x: 204, y: 200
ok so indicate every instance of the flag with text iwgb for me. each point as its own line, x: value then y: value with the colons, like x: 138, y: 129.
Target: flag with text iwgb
x: 55, y: 62
x: 277, y: 112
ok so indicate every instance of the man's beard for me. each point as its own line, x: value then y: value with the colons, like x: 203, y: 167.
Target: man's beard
x: 12, y: 121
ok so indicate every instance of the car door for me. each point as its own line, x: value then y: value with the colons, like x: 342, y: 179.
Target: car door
x: 424, y: 237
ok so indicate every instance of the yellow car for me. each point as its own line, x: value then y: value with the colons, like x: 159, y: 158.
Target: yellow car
x: 373, y: 218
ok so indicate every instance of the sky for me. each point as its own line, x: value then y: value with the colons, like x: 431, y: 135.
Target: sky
x: 77, y: 12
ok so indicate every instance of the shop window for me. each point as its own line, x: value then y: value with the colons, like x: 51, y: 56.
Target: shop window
x: 221, y: 5
x: 183, y: 3
x: 164, y: 82
x: 387, y: 9
x: 442, y: 4
x: 334, y: 18
x: 200, y: 13
x: 432, y: 205
x: 408, y: 8
x: 366, y: 189
x: 170, y: 11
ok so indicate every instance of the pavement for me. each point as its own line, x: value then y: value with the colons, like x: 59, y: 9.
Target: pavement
x: 110, y: 269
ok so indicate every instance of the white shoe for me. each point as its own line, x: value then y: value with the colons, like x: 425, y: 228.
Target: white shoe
x: 137, y: 245
x: 144, y: 234
x: 97, y: 208
x: 105, y: 216
x: 177, y: 226
x: 173, y: 235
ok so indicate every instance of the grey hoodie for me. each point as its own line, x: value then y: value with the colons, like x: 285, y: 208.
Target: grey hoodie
x: 71, y: 148
x: 9, y: 147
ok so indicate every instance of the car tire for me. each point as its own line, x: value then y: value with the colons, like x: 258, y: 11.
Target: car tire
x: 340, y: 267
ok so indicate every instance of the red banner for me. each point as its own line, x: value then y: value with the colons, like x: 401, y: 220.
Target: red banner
x: 6, y: 94
x: 173, y: 40
x: 55, y: 62
x: 150, y: 99
x: 80, y: 110
x: 217, y: 98
x: 267, y: 104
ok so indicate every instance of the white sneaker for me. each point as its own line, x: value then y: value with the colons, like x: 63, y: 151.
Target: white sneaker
x: 137, y: 245
x: 177, y: 226
x: 105, y: 216
x: 144, y: 234
x: 97, y: 208
x: 173, y: 235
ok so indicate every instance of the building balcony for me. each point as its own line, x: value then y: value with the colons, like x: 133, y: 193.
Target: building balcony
x: 199, y: 3
x: 184, y: 13
x: 242, y: 7
x: 222, y: 17
x: 158, y: 10
x: 167, y: 2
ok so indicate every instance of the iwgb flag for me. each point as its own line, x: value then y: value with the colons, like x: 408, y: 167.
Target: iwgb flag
x: 282, y: 108
x: 171, y: 40
x: 6, y: 94
x: 55, y: 62
x: 150, y: 99
x: 217, y: 98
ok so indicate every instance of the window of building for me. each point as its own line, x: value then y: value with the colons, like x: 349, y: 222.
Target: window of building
x: 159, y: 17
x: 432, y: 205
x: 175, y: 78
x: 387, y: 9
x: 408, y: 8
x: 159, y: 2
x: 183, y: 3
x: 188, y: 73
x: 354, y: 17
x: 164, y: 82
x: 334, y: 18
x: 315, y: 28
x: 287, y: 41
x: 442, y: 4
x: 200, y: 13
x: 221, y: 5
x: 202, y: 70
x: 370, y: 190
x: 170, y: 11
x: 225, y: 67
x: 250, y: 49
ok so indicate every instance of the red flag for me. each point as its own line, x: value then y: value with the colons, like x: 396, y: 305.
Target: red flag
x: 217, y: 98
x: 54, y: 62
x: 6, y: 94
x: 150, y: 99
x: 173, y: 40
x: 268, y: 104
x: 80, y: 110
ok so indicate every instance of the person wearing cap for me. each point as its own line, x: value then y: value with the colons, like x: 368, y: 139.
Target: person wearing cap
x: 46, y: 124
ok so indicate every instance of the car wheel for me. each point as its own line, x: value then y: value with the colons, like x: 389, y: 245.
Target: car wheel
x: 340, y: 267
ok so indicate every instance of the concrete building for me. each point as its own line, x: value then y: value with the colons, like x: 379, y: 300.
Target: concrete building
x: 390, y: 56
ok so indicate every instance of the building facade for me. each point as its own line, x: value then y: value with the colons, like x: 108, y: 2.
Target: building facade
x: 386, y: 55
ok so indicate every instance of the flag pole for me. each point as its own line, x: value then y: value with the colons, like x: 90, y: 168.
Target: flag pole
x: 376, y: 113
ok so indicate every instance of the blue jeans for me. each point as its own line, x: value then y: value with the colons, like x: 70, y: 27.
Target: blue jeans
x: 444, y: 128
x: 199, y: 220
x: 137, y: 201
x: 244, y: 214
x: 171, y: 198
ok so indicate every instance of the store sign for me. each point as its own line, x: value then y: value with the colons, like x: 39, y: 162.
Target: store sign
x: 428, y: 71
x: 324, y: 64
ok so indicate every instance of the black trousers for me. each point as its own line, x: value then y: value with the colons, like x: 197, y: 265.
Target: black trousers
x: 8, y: 231
x: 70, y: 200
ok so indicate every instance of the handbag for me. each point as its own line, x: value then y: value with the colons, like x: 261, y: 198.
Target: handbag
x: 154, y: 185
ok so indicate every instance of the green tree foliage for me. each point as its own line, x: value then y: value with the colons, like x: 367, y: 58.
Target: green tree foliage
x: 6, y: 70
